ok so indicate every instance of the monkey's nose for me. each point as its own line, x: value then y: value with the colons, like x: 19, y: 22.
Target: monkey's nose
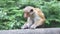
x: 25, y: 16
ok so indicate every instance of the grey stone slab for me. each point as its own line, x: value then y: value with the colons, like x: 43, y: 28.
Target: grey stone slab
x: 32, y: 31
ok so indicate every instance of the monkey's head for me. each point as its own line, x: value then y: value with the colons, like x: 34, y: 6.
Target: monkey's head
x: 28, y: 11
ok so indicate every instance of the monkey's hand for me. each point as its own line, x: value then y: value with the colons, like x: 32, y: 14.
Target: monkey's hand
x: 24, y: 27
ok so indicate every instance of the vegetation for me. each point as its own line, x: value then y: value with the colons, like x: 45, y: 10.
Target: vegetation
x: 11, y: 12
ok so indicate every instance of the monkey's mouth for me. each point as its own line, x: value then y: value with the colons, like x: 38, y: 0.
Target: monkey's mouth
x: 26, y: 16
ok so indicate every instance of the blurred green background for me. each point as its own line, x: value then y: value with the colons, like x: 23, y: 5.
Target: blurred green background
x: 11, y: 12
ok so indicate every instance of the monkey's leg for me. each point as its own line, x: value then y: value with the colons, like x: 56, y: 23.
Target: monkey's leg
x: 38, y: 23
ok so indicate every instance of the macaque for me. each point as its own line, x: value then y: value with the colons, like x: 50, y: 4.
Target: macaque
x: 34, y: 16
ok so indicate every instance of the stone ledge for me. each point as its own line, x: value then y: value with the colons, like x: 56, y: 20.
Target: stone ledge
x: 32, y: 31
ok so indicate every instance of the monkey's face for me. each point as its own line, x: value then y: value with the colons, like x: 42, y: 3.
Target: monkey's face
x: 28, y: 13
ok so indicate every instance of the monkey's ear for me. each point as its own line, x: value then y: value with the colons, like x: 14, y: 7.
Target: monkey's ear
x: 31, y: 10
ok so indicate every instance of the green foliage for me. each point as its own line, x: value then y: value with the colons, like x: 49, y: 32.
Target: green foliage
x: 11, y: 12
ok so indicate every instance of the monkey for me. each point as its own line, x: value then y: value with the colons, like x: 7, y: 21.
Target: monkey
x: 35, y: 17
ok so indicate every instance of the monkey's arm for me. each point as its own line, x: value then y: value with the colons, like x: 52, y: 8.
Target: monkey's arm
x: 27, y: 24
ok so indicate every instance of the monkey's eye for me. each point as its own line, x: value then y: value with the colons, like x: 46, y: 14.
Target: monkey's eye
x: 31, y: 10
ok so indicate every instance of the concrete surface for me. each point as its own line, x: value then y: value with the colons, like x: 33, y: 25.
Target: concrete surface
x: 32, y: 31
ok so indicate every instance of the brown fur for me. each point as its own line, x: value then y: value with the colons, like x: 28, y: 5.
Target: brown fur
x: 35, y: 19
